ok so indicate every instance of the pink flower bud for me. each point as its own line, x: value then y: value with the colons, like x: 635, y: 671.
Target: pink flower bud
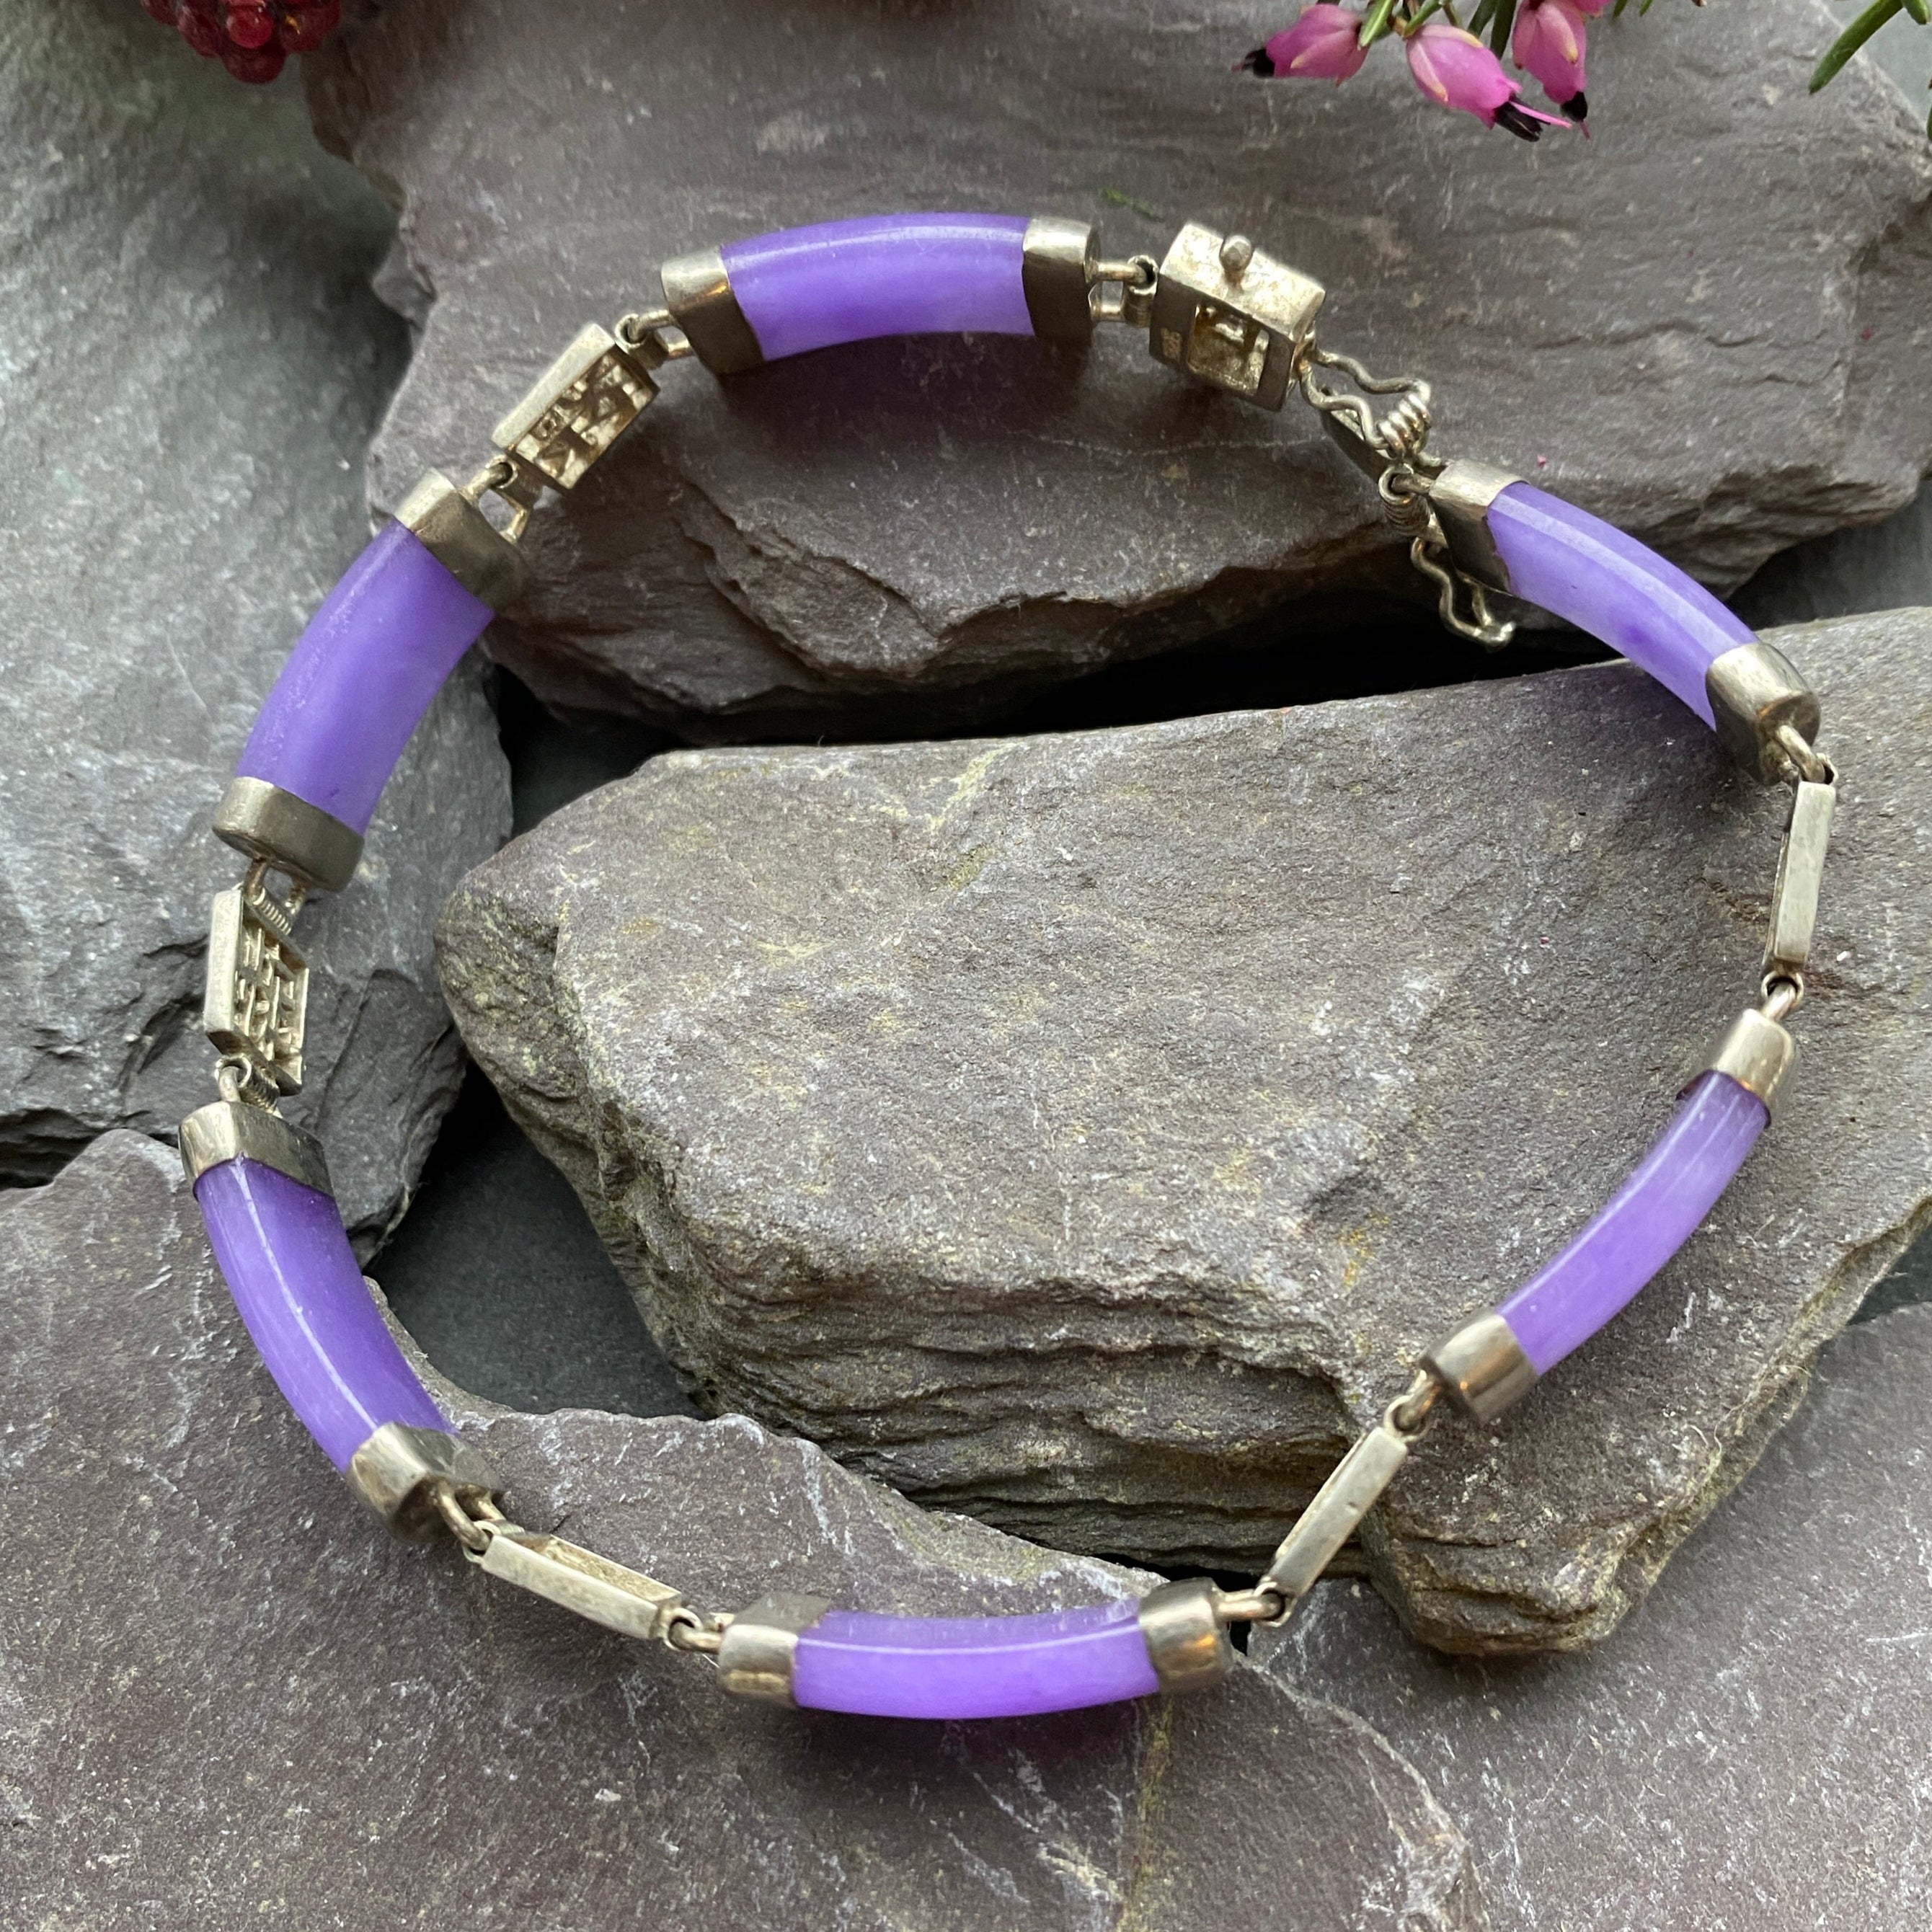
x: 1324, y: 44
x: 1455, y: 69
x: 1549, y: 43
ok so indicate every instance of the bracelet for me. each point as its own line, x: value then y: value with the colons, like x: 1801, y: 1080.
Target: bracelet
x: 369, y: 663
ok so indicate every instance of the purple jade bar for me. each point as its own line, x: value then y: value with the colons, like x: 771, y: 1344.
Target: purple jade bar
x: 884, y: 274
x: 1645, y: 1223
x: 1581, y: 568
x: 973, y: 1666
x: 361, y: 676
x: 288, y: 1266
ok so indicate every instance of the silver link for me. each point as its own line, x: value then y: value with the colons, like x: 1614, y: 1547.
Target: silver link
x: 1125, y: 290
x: 1353, y: 1488
x: 1801, y: 871
x: 1393, y: 449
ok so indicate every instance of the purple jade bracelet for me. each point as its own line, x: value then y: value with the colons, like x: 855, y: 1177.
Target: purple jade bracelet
x: 364, y: 671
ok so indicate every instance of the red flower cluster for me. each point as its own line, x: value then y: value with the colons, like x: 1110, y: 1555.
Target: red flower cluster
x: 250, y: 38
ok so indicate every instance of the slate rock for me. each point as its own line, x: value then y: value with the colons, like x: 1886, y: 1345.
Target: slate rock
x: 228, y: 1699
x: 191, y: 365
x: 1086, y: 1131
x: 1750, y: 1749
x: 1709, y: 320
x: 1881, y: 567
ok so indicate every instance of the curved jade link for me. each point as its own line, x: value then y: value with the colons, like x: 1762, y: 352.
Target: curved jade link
x: 802, y: 289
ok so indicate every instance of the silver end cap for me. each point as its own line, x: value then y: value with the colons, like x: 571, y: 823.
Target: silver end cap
x: 397, y: 1470
x: 760, y: 1648
x: 457, y: 533
x: 1755, y: 691
x: 698, y: 291
x: 295, y: 837
x: 1187, y: 1641
x: 1757, y: 1053
x: 1482, y: 1367
x: 227, y: 1130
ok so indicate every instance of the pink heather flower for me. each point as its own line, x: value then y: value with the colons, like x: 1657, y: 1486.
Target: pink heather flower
x: 1549, y: 43
x: 1324, y: 44
x: 1455, y: 69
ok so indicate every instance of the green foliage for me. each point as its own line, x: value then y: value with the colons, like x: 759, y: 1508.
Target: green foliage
x: 1855, y: 37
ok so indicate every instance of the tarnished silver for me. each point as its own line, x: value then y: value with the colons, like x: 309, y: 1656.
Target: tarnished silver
x: 1185, y: 1635
x: 294, y: 836
x: 403, y: 1473
x: 1757, y: 1052
x: 580, y: 1580
x: 1460, y: 493
x: 1392, y: 450
x: 1482, y: 1367
x: 1335, y: 1514
x: 1059, y: 261
x: 579, y: 407
x: 227, y: 1130
x: 655, y: 336
x: 1243, y: 329
x: 255, y: 1002
x: 447, y: 522
x: 1801, y: 871
x: 1123, y: 291
x: 759, y: 1646
x: 1756, y: 695
x: 698, y: 293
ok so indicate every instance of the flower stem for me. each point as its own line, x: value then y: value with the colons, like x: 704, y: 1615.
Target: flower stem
x: 1852, y: 38
x: 1377, y: 24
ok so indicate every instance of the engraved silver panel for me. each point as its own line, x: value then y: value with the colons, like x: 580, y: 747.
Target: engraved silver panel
x: 1801, y: 871
x: 1334, y: 1515
x: 577, y: 408
x: 255, y: 1005
x: 1230, y: 314
x: 580, y: 1580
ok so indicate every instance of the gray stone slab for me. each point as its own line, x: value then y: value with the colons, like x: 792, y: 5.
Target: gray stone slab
x: 227, y: 1698
x: 1087, y: 1131
x: 1883, y: 566
x: 1707, y: 323
x: 190, y: 365
x: 1749, y: 1751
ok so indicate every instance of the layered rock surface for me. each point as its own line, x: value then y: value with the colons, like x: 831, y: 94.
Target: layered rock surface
x: 227, y: 1698
x: 1087, y: 1132
x: 190, y: 367
x: 1707, y: 324
x: 1750, y: 1748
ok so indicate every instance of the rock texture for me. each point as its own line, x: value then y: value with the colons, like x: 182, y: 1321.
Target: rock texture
x: 1085, y: 1131
x: 227, y: 1699
x: 1709, y: 320
x: 190, y: 367
x: 1750, y: 1750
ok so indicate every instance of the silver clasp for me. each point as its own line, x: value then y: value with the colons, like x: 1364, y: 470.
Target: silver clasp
x: 1232, y: 315
x: 1442, y: 508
